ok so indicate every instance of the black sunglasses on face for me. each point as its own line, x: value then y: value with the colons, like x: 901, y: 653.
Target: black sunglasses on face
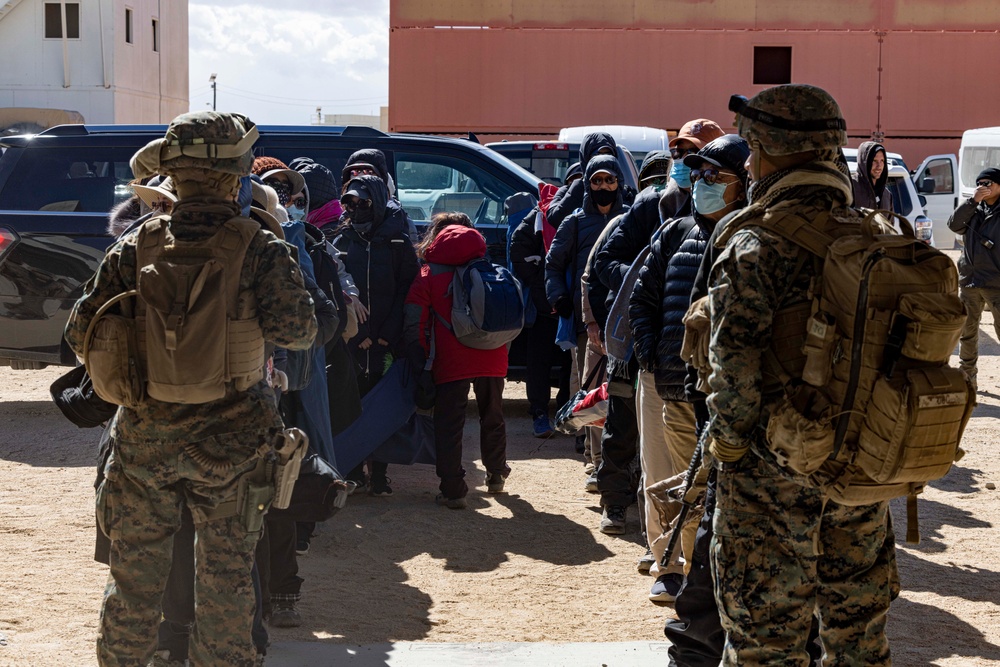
x: 598, y: 181
x: 679, y: 153
x: 710, y: 174
x: 983, y: 184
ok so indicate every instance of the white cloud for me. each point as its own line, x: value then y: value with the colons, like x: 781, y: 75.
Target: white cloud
x: 278, y: 65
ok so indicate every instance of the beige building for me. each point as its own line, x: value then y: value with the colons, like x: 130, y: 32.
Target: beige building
x: 111, y: 61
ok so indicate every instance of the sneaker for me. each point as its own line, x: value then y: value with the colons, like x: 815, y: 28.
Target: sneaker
x: 450, y: 503
x: 285, y: 616
x: 665, y: 588
x: 301, y: 547
x: 591, y: 483
x: 645, y: 562
x: 589, y: 468
x: 380, y: 487
x: 613, y: 520
x: 164, y: 659
x: 494, y: 483
x: 542, y: 427
x: 360, y: 485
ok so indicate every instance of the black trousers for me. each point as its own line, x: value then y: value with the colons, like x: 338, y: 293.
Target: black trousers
x: 449, y: 422
x: 619, y: 440
x: 278, y: 562
x: 541, y: 356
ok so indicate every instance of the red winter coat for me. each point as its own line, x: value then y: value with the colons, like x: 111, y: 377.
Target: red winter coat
x: 454, y: 246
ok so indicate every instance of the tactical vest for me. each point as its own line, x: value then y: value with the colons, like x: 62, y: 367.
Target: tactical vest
x: 871, y: 410
x: 191, y: 333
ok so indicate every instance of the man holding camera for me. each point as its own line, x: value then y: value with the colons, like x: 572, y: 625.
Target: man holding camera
x: 978, y: 219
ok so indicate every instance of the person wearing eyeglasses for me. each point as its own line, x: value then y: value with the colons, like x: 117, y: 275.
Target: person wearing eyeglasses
x: 659, y: 302
x: 564, y: 267
x: 570, y: 196
x: 675, y: 202
x: 289, y: 185
x: 978, y: 220
x: 871, y: 176
x: 372, y: 162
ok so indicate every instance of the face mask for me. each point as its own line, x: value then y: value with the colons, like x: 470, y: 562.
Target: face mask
x: 283, y: 190
x: 361, y: 217
x: 296, y: 212
x: 681, y: 173
x: 709, y: 199
x: 657, y: 184
x: 604, y: 197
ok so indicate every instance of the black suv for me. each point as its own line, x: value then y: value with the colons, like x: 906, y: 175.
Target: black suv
x: 57, y: 187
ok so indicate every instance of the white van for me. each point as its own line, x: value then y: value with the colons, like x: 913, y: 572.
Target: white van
x: 637, y: 139
x: 980, y: 149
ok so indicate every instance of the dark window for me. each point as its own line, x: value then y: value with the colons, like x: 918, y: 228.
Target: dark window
x: 156, y: 35
x: 128, y: 25
x: 61, y: 179
x: 53, y: 20
x: 772, y: 65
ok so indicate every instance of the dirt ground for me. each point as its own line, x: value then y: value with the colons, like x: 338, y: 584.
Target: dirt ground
x: 526, y: 566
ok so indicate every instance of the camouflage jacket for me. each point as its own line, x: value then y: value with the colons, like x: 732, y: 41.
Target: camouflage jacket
x: 750, y: 281
x: 284, y: 308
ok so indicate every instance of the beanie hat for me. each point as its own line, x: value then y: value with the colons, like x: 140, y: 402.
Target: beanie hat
x: 989, y: 174
x: 321, y: 182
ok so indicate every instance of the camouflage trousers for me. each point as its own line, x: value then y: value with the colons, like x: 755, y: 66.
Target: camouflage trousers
x: 139, y: 507
x: 781, y: 552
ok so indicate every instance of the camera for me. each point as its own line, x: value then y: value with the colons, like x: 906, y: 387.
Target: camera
x: 986, y: 243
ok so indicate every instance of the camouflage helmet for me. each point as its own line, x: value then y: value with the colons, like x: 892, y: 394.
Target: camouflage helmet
x: 208, y: 140
x: 792, y: 118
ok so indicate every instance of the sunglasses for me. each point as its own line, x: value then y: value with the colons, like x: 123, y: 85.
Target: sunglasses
x: 711, y: 175
x: 358, y: 203
x: 299, y: 202
x: 363, y: 171
x: 161, y: 205
x: 598, y: 181
x: 984, y: 184
x: 679, y: 153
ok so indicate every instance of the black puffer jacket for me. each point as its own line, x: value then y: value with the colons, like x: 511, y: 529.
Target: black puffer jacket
x: 527, y: 261
x: 867, y: 195
x: 661, y: 298
x: 574, y: 240
x: 382, y: 263
x: 568, y: 198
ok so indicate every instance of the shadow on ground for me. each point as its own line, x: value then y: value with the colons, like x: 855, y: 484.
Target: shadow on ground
x: 36, y: 433
x: 916, y: 638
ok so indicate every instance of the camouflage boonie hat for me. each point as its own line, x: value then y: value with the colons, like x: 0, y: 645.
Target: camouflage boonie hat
x: 208, y: 140
x: 792, y: 118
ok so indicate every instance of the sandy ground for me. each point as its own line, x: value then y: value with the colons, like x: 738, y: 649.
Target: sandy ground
x: 525, y: 566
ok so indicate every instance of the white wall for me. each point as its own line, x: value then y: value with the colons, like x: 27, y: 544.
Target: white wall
x: 144, y: 86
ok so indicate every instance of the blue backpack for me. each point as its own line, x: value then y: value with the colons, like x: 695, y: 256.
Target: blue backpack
x: 487, y: 307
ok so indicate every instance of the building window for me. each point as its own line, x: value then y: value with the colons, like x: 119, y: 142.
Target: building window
x: 156, y: 35
x: 53, y: 20
x: 128, y: 25
x: 772, y: 65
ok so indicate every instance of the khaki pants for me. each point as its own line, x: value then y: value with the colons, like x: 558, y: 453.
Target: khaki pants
x: 586, y: 357
x: 653, y: 455
x: 677, y: 424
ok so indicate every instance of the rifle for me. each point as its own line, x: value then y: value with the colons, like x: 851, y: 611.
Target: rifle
x: 681, y: 493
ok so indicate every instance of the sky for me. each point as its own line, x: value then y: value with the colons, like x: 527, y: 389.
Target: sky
x: 277, y: 60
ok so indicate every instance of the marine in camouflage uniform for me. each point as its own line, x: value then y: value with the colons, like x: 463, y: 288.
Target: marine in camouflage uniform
x: 781, y: 550
x: 152, y: 472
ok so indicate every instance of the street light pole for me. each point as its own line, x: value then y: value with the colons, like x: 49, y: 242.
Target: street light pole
x: 211, y: 80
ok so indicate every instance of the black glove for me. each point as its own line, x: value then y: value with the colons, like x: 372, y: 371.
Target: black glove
x: 564, y: 307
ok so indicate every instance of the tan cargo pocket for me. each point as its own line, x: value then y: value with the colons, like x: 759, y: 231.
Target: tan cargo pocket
x: 799, y: 432
x: 935, y: 325
x: 913, y: 425
x: 104, y: 506
x: 111, y: 358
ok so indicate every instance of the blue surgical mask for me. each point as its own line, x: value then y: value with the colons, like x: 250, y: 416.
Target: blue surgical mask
x: 681, y: 174
x: 296, y: 212
x: 709, y: 199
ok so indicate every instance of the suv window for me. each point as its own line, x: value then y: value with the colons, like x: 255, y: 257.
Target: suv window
x: 68, y: 180
x: 901, y: 201
x: 430, y: 184
x: 940, y: 172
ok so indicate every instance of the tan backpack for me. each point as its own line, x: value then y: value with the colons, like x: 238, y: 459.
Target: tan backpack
x: 871, y: 408
x: 193, y: 331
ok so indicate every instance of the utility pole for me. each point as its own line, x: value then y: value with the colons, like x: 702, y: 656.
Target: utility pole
x: 211, y: 80
x: 319, y: 115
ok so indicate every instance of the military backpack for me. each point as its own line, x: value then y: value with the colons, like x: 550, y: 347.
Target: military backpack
x: 871, y: 408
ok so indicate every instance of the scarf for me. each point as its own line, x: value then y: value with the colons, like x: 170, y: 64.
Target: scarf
x: 325, y: 214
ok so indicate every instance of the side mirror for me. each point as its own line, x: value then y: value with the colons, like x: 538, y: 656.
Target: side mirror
x: 927, y: 185
x: 923, y: 200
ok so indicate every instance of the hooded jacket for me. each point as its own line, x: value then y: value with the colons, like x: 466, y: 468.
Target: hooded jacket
x: 576, y: 237
x: 570, y: 197
x: 383, y: 264
x: 661, y: 298
x: 527, y: 261
x: 454, y: 246
x: 376, y: 158
x: 655, y: 161
x: 867, y: 195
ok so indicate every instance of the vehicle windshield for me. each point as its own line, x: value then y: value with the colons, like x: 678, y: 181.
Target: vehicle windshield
x: 975, y: 159
x: 547, y: 164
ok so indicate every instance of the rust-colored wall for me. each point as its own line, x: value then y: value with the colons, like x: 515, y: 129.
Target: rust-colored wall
x: 528, y: 67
